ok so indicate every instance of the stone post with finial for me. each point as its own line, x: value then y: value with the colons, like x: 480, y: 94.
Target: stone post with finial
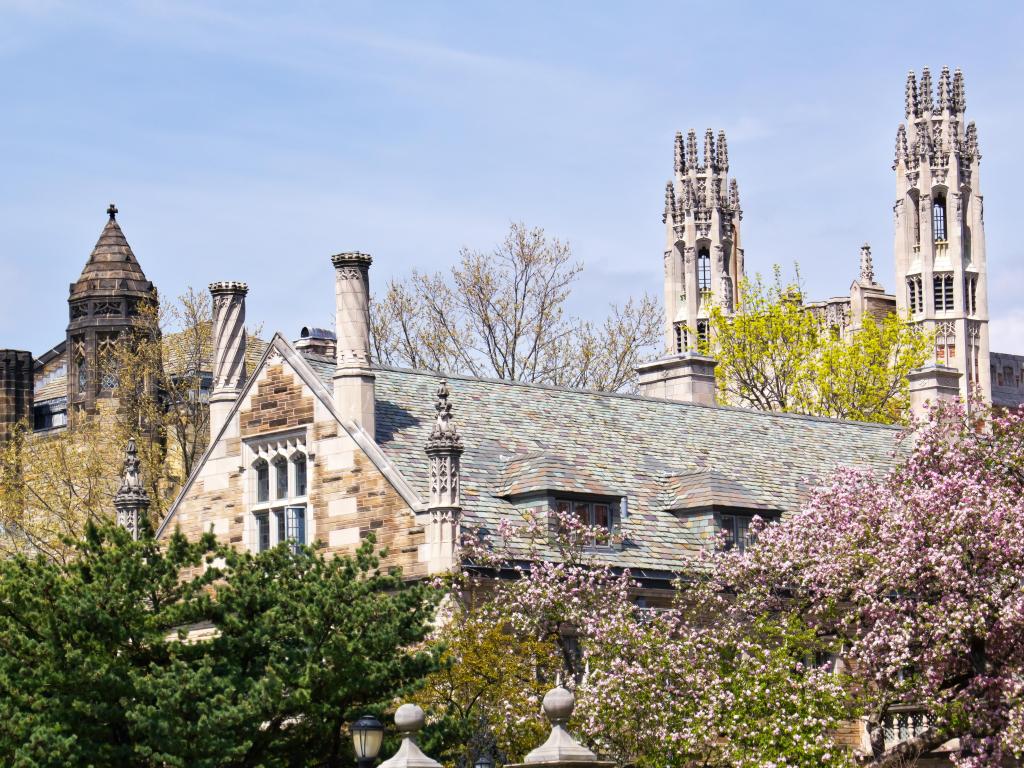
x: 131, y: 500
x: 444, y: 449
x: 409, y: 719
x: 561, y: 749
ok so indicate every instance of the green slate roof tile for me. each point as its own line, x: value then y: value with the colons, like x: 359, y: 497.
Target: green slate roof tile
x: 662, y: 455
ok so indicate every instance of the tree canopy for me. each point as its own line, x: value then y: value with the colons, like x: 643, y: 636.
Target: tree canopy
x: 190, y: 654
x: 774, y: 354
x: 503, y: 314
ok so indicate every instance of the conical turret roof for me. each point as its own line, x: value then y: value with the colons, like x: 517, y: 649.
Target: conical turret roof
x: 112, y: 266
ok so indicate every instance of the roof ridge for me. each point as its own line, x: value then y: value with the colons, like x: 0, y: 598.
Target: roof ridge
x: 630, y: 396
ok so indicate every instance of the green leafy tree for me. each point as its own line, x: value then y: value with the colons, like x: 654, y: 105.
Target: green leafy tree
x: 190, y: 654
x: 775, y: 354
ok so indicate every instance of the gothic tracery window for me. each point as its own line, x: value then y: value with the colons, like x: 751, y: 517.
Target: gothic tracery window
x: 280, y: 516
x: 703, y: 269
x: 943, y: 292
x: 939, y: 218
x: 945, y: 344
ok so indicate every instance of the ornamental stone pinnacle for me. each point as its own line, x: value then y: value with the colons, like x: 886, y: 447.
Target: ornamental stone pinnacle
x: 409, y: 720
x: 867, y: 269
x: 444, y: 436
x: 924, y: 93
x: 444, y: 447
x: 131, y: 500
x: 912, y: 109
x: 561, y: 749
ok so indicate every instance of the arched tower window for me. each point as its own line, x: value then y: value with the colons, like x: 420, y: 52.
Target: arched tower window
x: 939, y: 218
x: 704, y: 269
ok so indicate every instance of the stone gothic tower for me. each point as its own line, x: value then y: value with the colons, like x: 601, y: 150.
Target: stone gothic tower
x: 703, y: 258
x: 941, y: 279
x: 106, y: 300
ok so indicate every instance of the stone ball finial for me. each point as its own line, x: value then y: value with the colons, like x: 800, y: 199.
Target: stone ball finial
x: 558, y: 705
x: 409, y: 718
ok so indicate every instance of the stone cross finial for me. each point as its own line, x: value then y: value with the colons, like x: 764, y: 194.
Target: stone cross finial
x: 131, y: 500
x: 112, y: 212
x: 867, y: 268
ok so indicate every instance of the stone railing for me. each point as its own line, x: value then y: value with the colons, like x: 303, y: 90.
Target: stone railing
x: 903, y: 722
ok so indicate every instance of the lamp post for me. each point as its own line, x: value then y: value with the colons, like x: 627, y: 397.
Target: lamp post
x: 484, y: 761
x: 367, y: 733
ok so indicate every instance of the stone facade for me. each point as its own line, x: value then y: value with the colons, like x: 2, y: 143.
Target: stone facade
x: 16, y: 373
x: 348, y: 495
x: 703, y: 258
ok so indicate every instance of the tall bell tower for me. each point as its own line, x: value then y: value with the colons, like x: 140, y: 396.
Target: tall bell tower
x: 941, y: 276
x: 703, y: 258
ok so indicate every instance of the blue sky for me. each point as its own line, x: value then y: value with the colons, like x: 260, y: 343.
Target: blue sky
x: 250, y: 141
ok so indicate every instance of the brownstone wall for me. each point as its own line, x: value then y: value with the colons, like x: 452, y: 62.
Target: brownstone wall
x: 278, y: 404
x: 348, y: 495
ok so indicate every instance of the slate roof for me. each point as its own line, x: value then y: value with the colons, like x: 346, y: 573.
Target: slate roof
x: 111, y: 266
x: 657, y: 453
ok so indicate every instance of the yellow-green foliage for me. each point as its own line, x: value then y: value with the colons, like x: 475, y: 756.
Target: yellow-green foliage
x: 775, y: 355
x: 491, y: 680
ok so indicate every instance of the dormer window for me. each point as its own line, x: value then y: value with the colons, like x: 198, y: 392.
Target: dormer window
x: 737, y: 531
x: 595, y: 515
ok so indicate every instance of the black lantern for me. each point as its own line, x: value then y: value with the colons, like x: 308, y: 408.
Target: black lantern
x: 484, y: 761
x: 367, y: 733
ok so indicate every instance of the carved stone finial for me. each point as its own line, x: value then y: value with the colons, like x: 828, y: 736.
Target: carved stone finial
x: 691, y: 149
x: 710, y: 162
x: 561, y: 747
x: 867, y: 268
x: 112, y: 212
x: 911, y: 95
x: 409, y: 719
x: 679, y: 161
x: 945, y: 90
x: 901, y: 146
x: 670, y: 203
x: 924, y: 93
x: 971, y: 141
x: 444, y: 434
x: 723, y: 153
x: 959, y: 92
x: 131, y: 500
x: 734, y: 195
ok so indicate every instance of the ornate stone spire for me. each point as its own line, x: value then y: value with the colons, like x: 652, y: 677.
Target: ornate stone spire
x: 959, y: 94
x: 924, y: 93
x: 670, y: 203
x: 444, y: 447
x: 710, y: 162
x: 734, y: 195
x: 131, y: 500
x: 945, y: 90
x: 867, y: 268
x: 911, y: 95
x: 680, y: 154
x: 723, y: 153
x: 691, y: 149
x: 901, y: 146
x: 971, y: 141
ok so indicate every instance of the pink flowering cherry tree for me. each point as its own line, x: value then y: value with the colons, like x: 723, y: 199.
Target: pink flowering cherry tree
x: 918, y: 579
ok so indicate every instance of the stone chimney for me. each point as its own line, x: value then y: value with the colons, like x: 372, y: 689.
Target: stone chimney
x: 930, y: 386
x: 688, y: 378
x: 131, y: 500
x: 228, y: 350
x: 444, y: 447
x: 17, y: 383
x: 316, y: 341
x: 353, y: 378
